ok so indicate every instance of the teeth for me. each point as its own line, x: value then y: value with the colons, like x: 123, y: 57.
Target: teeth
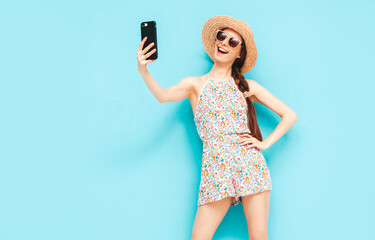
x: 222, y: 49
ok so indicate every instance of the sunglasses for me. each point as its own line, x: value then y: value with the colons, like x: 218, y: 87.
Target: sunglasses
x: 221, y: 36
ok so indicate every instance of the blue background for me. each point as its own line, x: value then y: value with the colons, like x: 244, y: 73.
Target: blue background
x: 87, y: 152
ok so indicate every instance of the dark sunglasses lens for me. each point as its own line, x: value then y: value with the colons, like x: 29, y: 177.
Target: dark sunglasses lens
x: 221, y: 36
x: 233, y: 42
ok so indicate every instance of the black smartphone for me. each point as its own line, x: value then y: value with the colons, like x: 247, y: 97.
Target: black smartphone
x: 149, y: 29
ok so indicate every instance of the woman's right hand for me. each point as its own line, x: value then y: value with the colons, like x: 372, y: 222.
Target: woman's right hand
x: 141, y: 56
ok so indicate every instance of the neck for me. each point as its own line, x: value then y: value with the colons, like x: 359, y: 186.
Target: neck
x: 221, y: 71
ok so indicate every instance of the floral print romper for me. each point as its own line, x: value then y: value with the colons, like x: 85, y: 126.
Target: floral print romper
x: 228, y: 168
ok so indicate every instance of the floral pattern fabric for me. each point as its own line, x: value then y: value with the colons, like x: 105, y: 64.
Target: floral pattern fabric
x: 228, y: 168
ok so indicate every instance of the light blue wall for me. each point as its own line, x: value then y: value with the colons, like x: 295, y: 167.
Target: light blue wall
x: 87, y: 152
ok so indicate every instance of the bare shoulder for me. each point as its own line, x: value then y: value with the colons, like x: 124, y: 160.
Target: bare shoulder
x: 254, y: 87
x: 252, y: 84
x: 187, y: 80
x: 194, y: 81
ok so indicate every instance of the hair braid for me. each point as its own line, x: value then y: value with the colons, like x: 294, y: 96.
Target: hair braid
x: 243, y: 86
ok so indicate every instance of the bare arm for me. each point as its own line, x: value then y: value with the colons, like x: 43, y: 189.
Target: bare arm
x: 174, y: 93
x: 289, y: 117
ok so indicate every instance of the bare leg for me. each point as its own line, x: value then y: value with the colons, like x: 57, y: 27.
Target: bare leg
x: 256, y: 209
x: 208, y: 218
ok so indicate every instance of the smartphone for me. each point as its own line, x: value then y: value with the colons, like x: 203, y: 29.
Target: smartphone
x: 149, y: 29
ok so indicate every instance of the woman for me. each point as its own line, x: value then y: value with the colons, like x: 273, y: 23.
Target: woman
x: 233, y: 167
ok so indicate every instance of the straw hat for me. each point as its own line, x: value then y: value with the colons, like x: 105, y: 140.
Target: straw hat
x: 221, y: 21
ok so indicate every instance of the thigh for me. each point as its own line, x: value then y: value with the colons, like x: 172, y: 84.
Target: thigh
x: 256, y: 209
x: 208, y: 218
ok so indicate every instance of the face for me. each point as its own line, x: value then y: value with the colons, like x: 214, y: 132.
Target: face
x: 232, y: 53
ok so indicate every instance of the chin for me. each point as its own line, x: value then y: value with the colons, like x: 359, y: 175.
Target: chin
x: 221, y: 58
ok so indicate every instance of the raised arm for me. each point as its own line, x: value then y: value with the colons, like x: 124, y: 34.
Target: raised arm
x: 174, y: 93
x: 289, y: 117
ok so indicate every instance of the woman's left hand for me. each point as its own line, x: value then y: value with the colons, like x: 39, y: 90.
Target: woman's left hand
x: 250, y: 141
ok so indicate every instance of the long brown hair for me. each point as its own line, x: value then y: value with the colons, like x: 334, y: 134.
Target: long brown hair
x: 243, y: 86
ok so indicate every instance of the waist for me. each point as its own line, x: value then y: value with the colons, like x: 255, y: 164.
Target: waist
x: 229, y: 135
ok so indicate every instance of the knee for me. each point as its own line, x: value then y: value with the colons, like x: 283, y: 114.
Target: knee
x: 258, y: 235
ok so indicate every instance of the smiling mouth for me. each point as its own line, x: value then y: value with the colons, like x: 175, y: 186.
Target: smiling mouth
x: 219, y: 51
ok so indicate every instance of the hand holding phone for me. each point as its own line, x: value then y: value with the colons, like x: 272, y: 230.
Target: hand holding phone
x: 145, y: 54
x: 142, y: 56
